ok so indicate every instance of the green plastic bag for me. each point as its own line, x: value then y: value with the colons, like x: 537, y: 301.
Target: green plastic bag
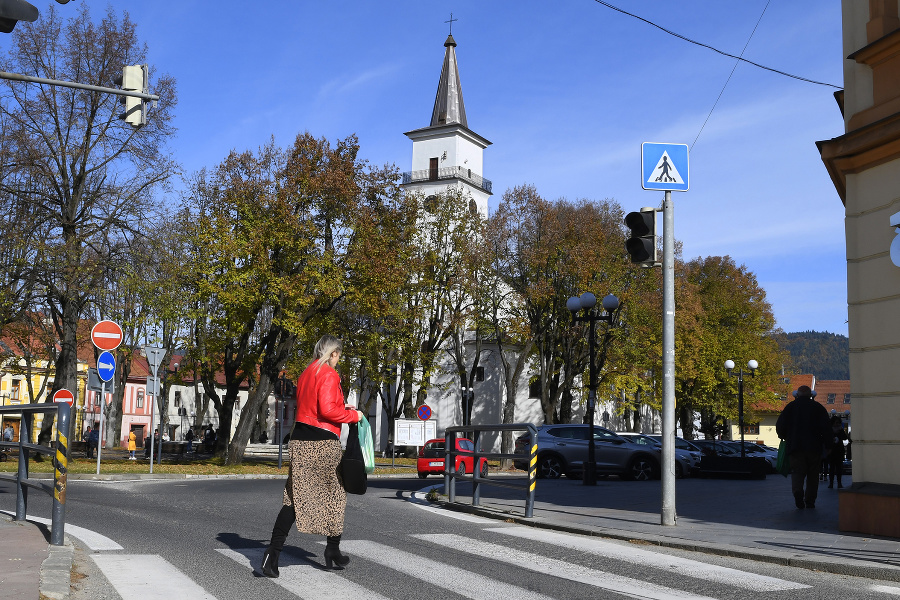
x: 365, y: 440
x: 783, y: 464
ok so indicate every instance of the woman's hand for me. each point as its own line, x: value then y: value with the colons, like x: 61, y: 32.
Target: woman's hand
x: 361, y: 416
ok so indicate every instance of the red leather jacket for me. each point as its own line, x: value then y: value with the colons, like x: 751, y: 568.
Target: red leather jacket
x: 320, y: 402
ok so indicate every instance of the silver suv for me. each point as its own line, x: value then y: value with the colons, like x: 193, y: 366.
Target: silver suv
x: 563, y: 449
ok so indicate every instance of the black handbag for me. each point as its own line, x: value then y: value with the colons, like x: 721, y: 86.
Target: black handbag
x: 352, y: 465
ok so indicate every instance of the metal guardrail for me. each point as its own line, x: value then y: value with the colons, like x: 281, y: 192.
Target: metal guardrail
x: 448, y: 173
x: 477, y: 480
x: 61, y: 462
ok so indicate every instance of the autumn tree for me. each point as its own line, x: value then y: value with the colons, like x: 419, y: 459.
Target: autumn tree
x: 274, y: 232
x: 85, y: 175
x: 733, y: 320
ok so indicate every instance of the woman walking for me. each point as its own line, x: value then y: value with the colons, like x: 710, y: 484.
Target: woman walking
x: 314, y: 495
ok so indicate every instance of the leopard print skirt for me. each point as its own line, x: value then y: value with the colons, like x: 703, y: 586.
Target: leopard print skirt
x: 314, y: 487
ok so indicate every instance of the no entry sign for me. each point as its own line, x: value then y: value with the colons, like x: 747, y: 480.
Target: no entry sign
x: 64, y: 395
x: 106, y: 335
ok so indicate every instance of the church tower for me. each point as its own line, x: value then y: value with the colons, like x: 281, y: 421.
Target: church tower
x: 447, y: 154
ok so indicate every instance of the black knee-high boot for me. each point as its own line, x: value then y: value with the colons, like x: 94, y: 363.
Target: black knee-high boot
x: 286, y: 518
x: 333, y: 557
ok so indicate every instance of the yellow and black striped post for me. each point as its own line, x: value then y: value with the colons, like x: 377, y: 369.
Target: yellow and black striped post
x: 532, y: 476
x: 63, y: 422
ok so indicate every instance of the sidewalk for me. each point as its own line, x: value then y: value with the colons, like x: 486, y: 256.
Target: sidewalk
x: 754, y: 519
x: 30, y: 566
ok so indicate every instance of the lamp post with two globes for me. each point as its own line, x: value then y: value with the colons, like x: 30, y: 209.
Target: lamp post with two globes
x: 729, y: 368
x: 586, y: 302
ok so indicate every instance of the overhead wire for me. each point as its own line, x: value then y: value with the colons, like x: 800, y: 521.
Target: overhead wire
x: 723, y: 53
x: 736, y: 63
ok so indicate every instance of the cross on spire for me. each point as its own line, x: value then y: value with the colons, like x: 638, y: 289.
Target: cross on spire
x: 451, y: 23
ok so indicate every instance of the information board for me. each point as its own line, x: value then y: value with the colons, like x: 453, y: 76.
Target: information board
x: 408, y: 432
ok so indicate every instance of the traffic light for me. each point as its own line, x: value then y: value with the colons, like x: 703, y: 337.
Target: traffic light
x: 13, y: 11
x: 133, y: 79
x: 641, y: 243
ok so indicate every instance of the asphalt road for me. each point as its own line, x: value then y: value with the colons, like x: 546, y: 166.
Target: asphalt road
x: 212, y: 532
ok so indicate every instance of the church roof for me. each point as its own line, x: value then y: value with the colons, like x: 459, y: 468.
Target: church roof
x: 448, y: 104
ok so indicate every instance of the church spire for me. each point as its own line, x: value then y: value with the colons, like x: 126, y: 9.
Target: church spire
x: 448, y: 104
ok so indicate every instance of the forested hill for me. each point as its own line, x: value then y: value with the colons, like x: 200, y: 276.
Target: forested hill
x: 825, y: 355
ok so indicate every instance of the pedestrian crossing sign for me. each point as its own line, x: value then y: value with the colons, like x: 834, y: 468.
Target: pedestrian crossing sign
x: 664, y: 167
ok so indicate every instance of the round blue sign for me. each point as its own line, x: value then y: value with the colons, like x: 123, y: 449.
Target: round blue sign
x: 106, y: 366
x: 424, y: 412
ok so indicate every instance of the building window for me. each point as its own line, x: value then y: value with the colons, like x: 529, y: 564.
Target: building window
x: 751, y: 429
x: 534, y: 388
x: 785, y: 380
x: 96, y: 399
x: 846, y: 398
x: 14, y: 392
x: 479, y: 374
x: 177, y: 398
x: 830, y: 399
x: 140, y: 399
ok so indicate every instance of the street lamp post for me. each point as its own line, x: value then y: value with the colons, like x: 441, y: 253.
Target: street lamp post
x: 729, y: 368
x: 279, y: 415
x: 586, y: 302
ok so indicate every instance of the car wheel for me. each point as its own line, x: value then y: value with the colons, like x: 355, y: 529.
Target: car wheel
x: 423, y: 475
x: 484, y: 469
x: 461, y: 470
x: 640, y: 469
x: 551, y: 466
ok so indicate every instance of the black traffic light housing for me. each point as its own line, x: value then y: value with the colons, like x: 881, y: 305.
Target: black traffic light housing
x: 641, y: 242
x: 13, y: 11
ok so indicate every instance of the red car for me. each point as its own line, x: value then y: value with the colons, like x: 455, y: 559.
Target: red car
x: 431, y: 458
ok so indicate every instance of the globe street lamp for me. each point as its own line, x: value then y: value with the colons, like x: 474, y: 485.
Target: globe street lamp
x: 587, y: 303
x: 729, y: 368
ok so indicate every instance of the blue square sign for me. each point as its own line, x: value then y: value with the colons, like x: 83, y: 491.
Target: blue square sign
x: 664, y: 167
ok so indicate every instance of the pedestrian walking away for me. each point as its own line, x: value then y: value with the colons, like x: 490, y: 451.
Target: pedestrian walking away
x: 314, y: 496
x: 836, y: 455
x: 189, y: 438
x: 803, y: 425
x: 93, y: 441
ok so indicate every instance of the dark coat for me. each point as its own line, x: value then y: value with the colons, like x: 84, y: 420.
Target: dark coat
x: 804, y: 425
x: 837, y: 449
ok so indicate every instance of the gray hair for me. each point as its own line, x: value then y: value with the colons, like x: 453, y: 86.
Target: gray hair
x: 324, y: 347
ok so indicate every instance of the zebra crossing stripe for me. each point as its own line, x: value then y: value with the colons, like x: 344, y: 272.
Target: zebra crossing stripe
x: 637, y: 556
x: 305, y: 580
x: 147, y: 577
x: 453, y: 579
x: 560, y: 568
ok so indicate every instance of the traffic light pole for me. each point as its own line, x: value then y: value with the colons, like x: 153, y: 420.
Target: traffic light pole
x: 77, y: 86
x: 668, y: 384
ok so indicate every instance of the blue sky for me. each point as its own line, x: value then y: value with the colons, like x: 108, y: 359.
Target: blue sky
x: 565, y: 90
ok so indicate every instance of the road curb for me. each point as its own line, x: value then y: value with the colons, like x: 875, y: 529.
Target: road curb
x: 836, y: 566
x: 56, y: 572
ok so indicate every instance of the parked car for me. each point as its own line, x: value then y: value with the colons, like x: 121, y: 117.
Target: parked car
x: 563, y: 450
x: 684, y: 461
x: 757, y: 450
x: 686, y: 445
x: 716, y: 448
x: 432, y: 454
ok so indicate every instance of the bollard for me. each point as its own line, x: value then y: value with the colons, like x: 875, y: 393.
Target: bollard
x: 63, y: 426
